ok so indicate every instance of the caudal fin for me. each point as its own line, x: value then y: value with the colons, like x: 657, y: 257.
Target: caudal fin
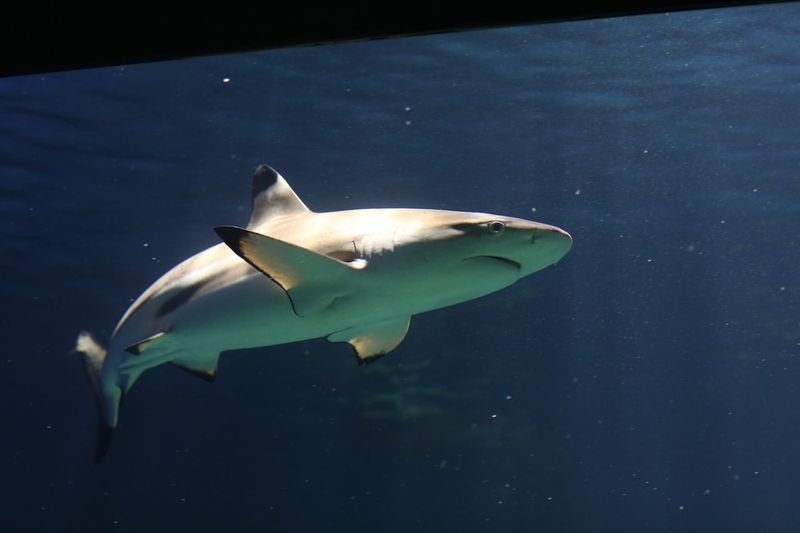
x: 94, y: 356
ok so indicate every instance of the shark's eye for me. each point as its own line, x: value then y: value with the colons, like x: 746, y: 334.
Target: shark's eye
x: 496, y: 227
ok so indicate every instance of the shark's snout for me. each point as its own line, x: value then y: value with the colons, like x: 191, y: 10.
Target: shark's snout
x: 548, y: 244
x: 552, y: 233
x: 558, y: 241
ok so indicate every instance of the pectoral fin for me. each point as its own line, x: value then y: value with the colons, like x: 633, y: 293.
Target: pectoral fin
x: 374, y: 340
x: 311, y: 280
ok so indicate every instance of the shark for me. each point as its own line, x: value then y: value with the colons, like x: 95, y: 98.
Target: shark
x: 292, y: 274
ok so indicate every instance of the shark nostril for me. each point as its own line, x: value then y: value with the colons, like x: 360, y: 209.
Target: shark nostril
x: 547, y: 235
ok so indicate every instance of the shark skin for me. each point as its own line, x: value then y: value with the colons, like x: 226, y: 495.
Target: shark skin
x: 292, y: 274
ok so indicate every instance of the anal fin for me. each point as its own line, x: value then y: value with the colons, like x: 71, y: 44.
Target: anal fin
x: 374, y: 340
x: 202, y: 367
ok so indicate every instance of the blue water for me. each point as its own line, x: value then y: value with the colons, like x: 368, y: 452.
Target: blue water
x: 648, y: 382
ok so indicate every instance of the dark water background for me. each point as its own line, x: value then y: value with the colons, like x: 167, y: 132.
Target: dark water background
x: 649, y: 382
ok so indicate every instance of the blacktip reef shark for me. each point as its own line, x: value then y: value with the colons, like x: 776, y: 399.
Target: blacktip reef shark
x: 292, y: 274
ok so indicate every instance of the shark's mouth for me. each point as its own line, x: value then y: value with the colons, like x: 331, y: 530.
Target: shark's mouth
x: 503, y: 260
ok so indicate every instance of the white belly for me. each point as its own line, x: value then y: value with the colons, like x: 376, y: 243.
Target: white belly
x: 252, y: 313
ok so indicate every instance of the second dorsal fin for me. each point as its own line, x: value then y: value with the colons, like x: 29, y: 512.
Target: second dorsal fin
x: 272, y: 196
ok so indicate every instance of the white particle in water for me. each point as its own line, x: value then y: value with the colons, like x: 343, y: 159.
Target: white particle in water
x: 226, y: 80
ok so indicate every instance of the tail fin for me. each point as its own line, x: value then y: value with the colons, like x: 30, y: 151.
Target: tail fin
x: 94, y: 356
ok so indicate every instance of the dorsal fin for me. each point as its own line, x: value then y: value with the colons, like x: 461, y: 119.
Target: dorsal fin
x: 272, y: 196
x: 138, y: 347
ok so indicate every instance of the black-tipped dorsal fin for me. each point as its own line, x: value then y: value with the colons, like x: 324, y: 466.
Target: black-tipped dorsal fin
x: 272, y: 196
